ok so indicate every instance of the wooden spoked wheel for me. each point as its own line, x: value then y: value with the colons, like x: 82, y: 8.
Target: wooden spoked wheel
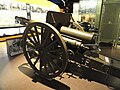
x: 44, y: 49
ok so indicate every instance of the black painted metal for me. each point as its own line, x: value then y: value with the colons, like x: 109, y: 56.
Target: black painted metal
x: 45, y: 50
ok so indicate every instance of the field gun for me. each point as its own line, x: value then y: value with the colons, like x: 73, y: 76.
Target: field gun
x: 53, y: 48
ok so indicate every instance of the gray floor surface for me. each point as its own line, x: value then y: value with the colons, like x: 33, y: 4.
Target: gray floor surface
x: 15, y: 74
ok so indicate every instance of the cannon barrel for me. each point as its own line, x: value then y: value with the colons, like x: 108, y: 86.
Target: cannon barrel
x: 24, y: 21
x: 86, y: 37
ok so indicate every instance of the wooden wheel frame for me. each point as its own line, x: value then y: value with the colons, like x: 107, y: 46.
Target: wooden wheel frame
x: 45, y: 50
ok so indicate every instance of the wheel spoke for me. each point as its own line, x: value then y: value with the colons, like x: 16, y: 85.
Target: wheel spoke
x: 37, y: 34
x: 46, y: 38
x: 31, y: 55
x: 30, y: 45
x: 55, y: 51
x: 44, y: 64
x: 42, y: 35
x: 54, y: 64
x: 55, y: 57
x: 36, y: 60
x: 52, y: 43
x: 31, y: 40
x: 32, y: 34
x: 50, y: 66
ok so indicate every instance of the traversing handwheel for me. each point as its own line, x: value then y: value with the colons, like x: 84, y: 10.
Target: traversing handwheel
x: 44, y: 49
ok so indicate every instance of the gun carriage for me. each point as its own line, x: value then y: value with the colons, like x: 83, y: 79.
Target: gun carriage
x: 55, y: 47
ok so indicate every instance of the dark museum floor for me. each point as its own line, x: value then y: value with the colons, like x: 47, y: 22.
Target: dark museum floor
x: 15, y: 74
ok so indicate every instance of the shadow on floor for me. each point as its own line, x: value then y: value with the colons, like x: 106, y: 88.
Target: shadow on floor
x: 25, y: 68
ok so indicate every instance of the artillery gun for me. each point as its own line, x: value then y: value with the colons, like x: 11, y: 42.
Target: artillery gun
x: 53, y: 48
